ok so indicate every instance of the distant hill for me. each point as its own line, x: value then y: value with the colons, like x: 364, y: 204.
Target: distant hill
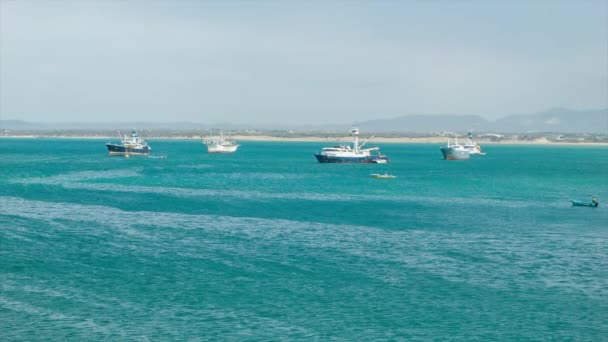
x: 20, y: 125
x: 426, y: 123
x: 17, y: 124
x: 556, y: 120
x: 553, y: 120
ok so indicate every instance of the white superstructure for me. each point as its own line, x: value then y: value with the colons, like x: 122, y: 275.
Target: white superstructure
x: 472, y: 147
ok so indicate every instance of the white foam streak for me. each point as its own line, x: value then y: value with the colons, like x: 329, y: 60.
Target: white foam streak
x: 60, y: 318
x: 74, y: 181
x: 558, y: 260
x: 73, y: 177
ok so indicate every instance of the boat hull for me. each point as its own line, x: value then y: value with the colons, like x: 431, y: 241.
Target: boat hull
x: 120, y: 150
x: 450, y: 153
x: 584, y: 204
x: 222, y: 148
x: 476, y: 152
x: 351, y: 160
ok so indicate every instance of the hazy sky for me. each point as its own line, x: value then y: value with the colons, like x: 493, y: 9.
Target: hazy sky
x: 298, y: 62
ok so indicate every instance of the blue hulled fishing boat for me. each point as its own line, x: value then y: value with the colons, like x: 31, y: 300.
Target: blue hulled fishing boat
x: 133, y: 145
x: 354, y: 154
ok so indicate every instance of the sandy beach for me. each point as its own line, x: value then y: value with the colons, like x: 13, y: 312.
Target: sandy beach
x: 412, y: 140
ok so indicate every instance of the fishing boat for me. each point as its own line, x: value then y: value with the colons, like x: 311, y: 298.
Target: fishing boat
x: 383, y: 176
x: 354, y: 154
x: 129, y: 145
x: 454, y: 151
x: 472, y: 147
x: 593, y: 203
x: 220, y: 144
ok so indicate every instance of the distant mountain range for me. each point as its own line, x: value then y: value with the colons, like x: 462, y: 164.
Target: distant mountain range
x: 554, y: 120
x: 26, y: 125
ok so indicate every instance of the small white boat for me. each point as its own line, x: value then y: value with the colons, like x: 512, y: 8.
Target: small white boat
x: 580, y: 203
x: 382, y: 176
x: 220, y: 144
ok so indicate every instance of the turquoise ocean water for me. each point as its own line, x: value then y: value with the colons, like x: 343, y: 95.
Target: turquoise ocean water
x: 266, y: 244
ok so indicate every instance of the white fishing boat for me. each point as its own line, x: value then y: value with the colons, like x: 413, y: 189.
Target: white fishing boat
x: 454, y: 151
x: 220, y: 144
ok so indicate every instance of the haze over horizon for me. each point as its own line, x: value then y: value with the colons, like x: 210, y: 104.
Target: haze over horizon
x: 293, y: 63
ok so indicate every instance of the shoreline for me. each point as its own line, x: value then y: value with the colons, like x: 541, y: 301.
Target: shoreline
x: 268, y: 138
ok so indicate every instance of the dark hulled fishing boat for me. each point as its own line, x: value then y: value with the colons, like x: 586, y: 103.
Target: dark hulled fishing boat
x: 354, y: 154
x: 133, y: 145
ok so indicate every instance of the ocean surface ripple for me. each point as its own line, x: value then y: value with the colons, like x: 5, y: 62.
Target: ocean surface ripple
x: 266, y: 244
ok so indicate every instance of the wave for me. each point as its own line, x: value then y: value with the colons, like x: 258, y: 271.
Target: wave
x: 74, y: 177
x: 75, y: 181
x: 195, y: 167
x: 52, y: 315
x: 489, y: 259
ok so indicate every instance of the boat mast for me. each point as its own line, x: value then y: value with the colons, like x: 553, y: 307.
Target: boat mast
x: 366, y: 141
x: 134, y: 136
x: 355, y: 133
